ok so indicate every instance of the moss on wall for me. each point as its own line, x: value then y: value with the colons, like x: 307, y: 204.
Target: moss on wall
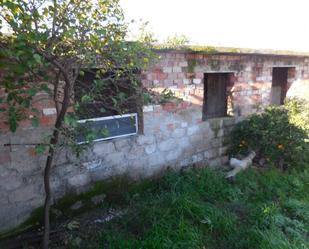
x: 118, y: 191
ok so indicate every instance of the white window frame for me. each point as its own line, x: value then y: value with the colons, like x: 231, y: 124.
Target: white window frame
x: 108, y: 118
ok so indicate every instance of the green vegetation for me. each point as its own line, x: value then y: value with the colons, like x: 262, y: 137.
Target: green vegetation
x: 279, y: 135
x: 166, y: 96
x: 200, y: 209
x: 213, y: 50
x: 299, y: 113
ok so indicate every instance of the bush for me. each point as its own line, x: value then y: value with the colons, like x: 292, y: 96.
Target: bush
x: 276, y: 135
x: 298, y: 111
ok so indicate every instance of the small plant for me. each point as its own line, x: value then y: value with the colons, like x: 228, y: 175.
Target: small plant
x: 167, y: 95
x: 273, y: 136
x: 176, y: 41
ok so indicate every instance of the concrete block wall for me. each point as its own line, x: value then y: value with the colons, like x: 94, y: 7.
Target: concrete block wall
x: 174, y: 133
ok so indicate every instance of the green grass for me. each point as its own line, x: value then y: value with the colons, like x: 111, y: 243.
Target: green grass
x: 200, y: 209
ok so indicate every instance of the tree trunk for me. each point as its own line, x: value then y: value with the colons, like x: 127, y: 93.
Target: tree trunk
x: 48, y: 191
x: 50, y: 157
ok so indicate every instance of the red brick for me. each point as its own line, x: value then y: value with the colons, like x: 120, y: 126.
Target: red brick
x: 181, y: 75
x: 240, y: 87
x: 170, y: 107
x: 25, y: 123
x: 199, y: 75
x: 199, y: 121
x: 3, y: 126
x: 256, y: 97
x: 190, y: 56
x: 47, y: 120
x: 31, y: 152
x: 257, y: 86
x: 170, y: 126
x: 5, y: 157
x: 161, y: 76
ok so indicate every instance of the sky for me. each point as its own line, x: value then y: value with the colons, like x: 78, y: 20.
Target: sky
x: 264, y: 24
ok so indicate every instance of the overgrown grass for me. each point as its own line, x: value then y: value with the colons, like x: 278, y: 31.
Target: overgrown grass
x: 200, y: 209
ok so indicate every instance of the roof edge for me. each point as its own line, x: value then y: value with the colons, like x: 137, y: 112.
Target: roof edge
x: 211, y: 50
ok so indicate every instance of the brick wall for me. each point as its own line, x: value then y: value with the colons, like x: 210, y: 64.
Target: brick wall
x: 174, y: 133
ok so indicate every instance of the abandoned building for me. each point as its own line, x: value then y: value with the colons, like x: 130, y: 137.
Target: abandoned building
x: 213, y: 91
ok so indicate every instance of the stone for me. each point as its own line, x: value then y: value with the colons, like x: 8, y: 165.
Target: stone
x: 4, y: 200
x: 229, y: 121
x: 24, y: 194
x: 98, y: 199
x: 176, y: 69
x: 186, y: 81
x: 135, y: 152
x: 167, y: 145
x: 92, y: 164
x: 148, y: 108
x: 79, y: 180
x: 142, y: 139
x: 10, y: 183
x: 214, y: 163
x: 49, y: 111
x: 184, y: 142
x: 149, y: 149
x: 196, y: 140
x: 137, y: 169
x: 66, y: 169
x: 183, y: 64
x: 224, y: 160
x: 167, y: 69
x: 184, y: 124
x: 197, y: 158
x: 77, y: 205
x: 178, y: 133
x: 210, y: 154
x: 115, y: 158
x: 186, y: 162
x: 120, y: 144
x: 216, y: 142
x: 220, y: 133
x: 156, y: 159
x: 197, y: 81
x: 102, y: 148
x: 223, y: 150
x: 193, y: 130
x: 173, y: 155
x: 101, y: 173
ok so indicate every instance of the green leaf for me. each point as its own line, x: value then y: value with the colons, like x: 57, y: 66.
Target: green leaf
x: 35, y: 121
x: 12, y: 119
x: 37, y: 58
x: 71, y: 120
x: 40, y: 149
x: 105, y: 132
x: 86, y: 98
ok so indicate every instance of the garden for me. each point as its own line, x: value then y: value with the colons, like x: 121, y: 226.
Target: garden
x: 265, y: 206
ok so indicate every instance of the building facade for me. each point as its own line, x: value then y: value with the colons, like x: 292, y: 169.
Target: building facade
x: 210, y: 93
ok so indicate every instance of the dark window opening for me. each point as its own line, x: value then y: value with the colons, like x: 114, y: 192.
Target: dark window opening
x: 216, y: 96
x: 109, y: 94
x: 279, y: 85
x: 109, y: 104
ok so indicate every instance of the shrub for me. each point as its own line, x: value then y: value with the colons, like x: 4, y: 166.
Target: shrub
x: 298, y: 110
x: 276, y: 135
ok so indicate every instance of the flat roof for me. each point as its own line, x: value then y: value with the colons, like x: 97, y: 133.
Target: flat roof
x: 229, y: 51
